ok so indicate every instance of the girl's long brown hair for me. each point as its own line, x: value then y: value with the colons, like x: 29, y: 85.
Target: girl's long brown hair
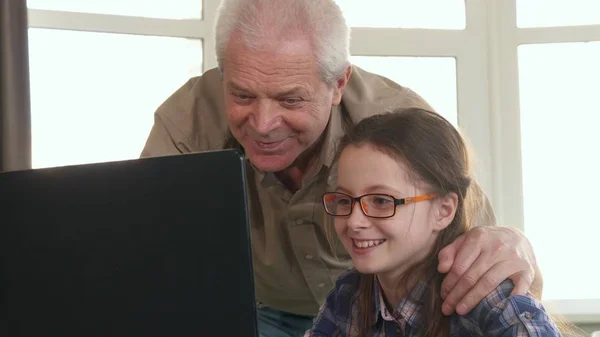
x: 436, y: 154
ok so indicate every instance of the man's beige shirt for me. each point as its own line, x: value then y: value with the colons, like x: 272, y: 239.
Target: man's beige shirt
x: 296, y: 254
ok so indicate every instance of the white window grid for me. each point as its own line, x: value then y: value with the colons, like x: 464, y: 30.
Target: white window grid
x: 487, y: 85
x: 107, y: 23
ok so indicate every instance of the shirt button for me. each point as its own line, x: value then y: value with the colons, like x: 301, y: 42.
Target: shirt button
x: 299, y: 222
x: 528, y: 315
x: 321, y: 285
x: 309, y: 257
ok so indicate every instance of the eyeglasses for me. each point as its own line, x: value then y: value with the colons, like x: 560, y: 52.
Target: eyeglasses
x: 372, y: 205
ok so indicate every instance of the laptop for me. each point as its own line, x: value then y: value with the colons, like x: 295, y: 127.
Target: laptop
x: 149, y: 247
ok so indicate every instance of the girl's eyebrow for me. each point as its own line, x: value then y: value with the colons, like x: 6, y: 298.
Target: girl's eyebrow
x: 342, y: 189
x: 374, y: 189
x: 379, y: 187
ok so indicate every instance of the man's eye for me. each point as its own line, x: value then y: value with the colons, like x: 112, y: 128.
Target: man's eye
x: 240, y: 97
x: 292, y: 101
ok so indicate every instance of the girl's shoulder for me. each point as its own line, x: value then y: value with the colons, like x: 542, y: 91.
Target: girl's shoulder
x: 348, y: 281
x: 345, y: 293
x: 336, y: 313
x: 501, y: 312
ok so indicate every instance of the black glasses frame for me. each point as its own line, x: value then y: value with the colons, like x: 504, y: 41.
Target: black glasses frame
x: 397, y: 202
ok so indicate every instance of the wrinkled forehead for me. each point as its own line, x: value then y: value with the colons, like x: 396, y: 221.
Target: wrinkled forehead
x: 293, y: 60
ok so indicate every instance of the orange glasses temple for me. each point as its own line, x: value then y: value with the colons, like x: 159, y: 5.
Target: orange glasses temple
x: 419, y: 198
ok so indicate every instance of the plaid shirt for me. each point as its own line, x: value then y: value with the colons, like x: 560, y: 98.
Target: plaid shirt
x: 499, y: 314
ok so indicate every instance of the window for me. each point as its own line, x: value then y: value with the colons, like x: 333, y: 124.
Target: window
x: 544, y: 13
x: 100, y: 68
x: 434, y: 78
x: 174, y: 9
x: 433, y: 14
x: 94, y: 94
x: 560, y: 114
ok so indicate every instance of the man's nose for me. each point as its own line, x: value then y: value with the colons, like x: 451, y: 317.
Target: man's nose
x: 265, y: 117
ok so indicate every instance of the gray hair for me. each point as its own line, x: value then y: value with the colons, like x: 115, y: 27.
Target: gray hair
x: 265, y: 21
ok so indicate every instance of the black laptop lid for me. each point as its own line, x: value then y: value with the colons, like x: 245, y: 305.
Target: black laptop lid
x: 149, y: 247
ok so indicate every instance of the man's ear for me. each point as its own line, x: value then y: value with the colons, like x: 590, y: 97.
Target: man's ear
x: 340, y: 85
x: 445, y: 209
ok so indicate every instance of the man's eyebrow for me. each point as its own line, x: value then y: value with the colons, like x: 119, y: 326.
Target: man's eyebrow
x: 235, y: 86
x: 291, y: 91
x: 296, y: 90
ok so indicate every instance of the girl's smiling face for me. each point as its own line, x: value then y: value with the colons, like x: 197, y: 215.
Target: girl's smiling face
x: 386, y: 247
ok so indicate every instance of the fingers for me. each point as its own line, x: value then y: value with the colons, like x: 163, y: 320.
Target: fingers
x: 468, y: 251
x: 523, y: 282
x: 485, y: 284
x: 461, y: 279
x: 447, y: 255
x: 480, y: 281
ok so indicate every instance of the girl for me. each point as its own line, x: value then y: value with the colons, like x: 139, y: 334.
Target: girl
x: 404, y: 192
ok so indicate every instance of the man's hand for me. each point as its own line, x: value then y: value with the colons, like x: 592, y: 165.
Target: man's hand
x: 479, y: 260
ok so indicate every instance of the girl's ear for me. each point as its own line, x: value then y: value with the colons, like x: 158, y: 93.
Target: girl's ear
x: 445, y: 209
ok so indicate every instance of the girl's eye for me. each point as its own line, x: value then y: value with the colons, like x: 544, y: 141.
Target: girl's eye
x: 381, y: 201
x: 343, y: 202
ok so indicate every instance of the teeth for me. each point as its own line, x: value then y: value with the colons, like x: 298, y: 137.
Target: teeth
x: 367, y: 243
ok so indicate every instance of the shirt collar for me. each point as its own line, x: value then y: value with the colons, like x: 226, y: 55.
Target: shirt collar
x: 408, y: 310
x: 333, y: 133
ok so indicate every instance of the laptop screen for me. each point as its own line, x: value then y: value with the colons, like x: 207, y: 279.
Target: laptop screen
x: 150, y: 247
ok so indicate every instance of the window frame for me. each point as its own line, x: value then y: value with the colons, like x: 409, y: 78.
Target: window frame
x: 108, y: 23
x: 487, y: 84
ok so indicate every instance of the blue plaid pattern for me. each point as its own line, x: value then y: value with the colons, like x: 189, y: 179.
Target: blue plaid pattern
x: 498, y: 315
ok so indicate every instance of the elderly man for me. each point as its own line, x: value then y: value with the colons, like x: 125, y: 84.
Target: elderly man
x: 284, y: 92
